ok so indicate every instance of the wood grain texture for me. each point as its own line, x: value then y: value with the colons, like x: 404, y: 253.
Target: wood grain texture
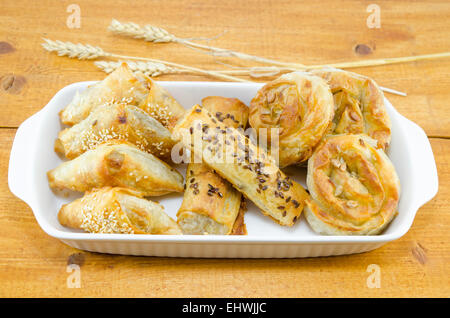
x: 34, y: 264
x: 299, y: 31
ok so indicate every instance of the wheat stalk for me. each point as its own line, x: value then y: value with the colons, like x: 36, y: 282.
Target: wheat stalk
x: 155, y: 34
x: 86, y: 51
x: 154, y: 67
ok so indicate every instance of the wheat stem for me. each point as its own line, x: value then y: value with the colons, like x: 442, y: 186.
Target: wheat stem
x: 159, y: 35
x: 384, y: 61
x: 156, y: 34
x: 154, y: 67
x: 86, y: 51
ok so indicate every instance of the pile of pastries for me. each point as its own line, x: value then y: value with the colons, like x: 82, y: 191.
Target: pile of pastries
x: 124, y: 132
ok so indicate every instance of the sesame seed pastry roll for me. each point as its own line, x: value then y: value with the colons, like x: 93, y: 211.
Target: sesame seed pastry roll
x: 119, y: 211
x: 359, y: 105
x: 117, y: 163
x: 211, y: 205
x: 121, y: 86
x: 162, y: 106
x: 354, y: 187
x: 118, y: 121
x: 252, y: 172
x: 301, y: 106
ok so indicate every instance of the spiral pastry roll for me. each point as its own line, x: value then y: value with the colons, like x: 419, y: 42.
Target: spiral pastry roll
x: 359, y: 105
x: 353, y: 185
x: 301, y: 106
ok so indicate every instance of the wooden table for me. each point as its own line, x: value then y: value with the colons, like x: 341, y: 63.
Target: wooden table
x: 34, y: 264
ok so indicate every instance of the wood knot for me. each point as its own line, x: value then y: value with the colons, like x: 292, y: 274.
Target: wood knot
x: 12, y: 84
x: 419, y: 253
x: 362, y: 49
x: 5, y: 47
x: 76, y: 258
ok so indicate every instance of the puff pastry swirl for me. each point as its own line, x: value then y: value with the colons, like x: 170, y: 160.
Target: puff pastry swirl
x: 121, y: 86
x: 354, y: 187
x: 301, y: 106
x: 359, y: 105
x: 211, y: 205
x: 117, y: 210
x: 117, y: 163
x: 118, y: 121
x: 253, y: 172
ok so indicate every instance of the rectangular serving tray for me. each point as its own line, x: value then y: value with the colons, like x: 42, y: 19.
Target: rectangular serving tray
x: 32, y: 156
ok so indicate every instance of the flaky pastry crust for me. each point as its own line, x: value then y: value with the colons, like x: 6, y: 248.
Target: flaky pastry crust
x: 301, y: 106
x: 254, y: 173
x: 117, y: 211
x: 116, y: 163
x: 121, y: 86
x: 211, y: 205
x: 354, y: 187
x: 359, y: 105
x: 118, y: 121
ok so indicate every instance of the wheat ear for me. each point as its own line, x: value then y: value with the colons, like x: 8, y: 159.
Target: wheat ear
x: 150, y: 69
x: 86, y: 51
x: 158, y: 35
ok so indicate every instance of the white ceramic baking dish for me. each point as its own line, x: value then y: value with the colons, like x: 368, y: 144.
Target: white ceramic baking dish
x: 32, y: 156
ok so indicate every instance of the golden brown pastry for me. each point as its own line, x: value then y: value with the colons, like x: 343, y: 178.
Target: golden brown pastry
x: 117, y: 163
x: 354, y: 187
x: 229, y: 111
x: 121, y: 86
x: 359, y: 105
x: 117, y: 210
x: 162, y: 106
x: 211, y: 205
x: 118, y: 121
x: 247, y: 167
x: 301, y: 106
x: 239, y: 227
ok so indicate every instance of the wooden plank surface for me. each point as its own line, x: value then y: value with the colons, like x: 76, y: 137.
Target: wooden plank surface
x: 34, y: 264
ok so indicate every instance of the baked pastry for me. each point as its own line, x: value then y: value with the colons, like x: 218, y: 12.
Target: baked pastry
x: 117, y: 121
x: 239, y: 227
x: 246, y: 166
x: 121, y: 86
x: 211, y: 205
x: 117, y: 163
x: 301, y: 106
x: 354, y: 187
x: 117, y: 210
x: 162, y: 106
x: 229, y: 111
x: 359, y: 105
